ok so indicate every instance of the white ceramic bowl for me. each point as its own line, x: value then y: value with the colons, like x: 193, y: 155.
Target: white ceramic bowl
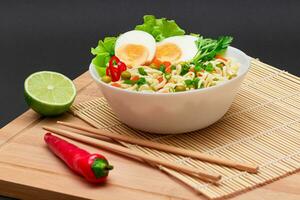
x: 175, y: 112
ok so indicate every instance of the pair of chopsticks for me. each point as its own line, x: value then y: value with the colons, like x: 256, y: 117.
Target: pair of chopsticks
x: 92, y: 135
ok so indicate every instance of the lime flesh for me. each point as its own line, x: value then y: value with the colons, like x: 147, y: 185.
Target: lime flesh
x: 49, y: 93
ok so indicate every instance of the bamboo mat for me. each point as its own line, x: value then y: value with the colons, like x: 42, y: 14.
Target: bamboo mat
x: 261, y: 127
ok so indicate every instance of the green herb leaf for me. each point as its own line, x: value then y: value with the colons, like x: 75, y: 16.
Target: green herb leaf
x: 198, y: 67
x: 162, y: 68
x: 129, y: 82
x: 209, y: 67
x: 173, y: 67
x: 220, y: 65
x: 196, y: 82
x: 160, y: 28
x: 142, y: 71
x: 188, y: 83
x: 184, y: 69
x: 168, y: 76
x: 209, y: 48
x: 141, y: 81
x: 202, y: 85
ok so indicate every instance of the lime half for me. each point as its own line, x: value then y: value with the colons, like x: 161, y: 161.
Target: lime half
x: 49, y: 93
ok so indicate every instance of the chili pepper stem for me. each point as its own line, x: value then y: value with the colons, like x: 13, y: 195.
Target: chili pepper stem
x: 109, y: 167
x: 100, y: 167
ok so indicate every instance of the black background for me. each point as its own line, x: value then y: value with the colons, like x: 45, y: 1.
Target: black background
x: 57, y: 35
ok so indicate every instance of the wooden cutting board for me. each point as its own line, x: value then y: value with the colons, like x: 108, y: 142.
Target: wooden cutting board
x: 28, y: 170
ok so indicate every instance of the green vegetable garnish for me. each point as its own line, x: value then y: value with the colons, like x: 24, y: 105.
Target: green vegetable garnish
x: 129, y: 82
x: 168, y: 76
x: 173, y: 67
x: 141, y: 81
x: 220, y: 65
x: 189, y: 82
x: 103, y: 53
x: 142, y: 71
x: 162, y: 68
x: 209, y: 48
x: 195, y: 82
x: 202, y: 85
x: 209, y: 67
x: 184, y: 69
x: 198, y: 67
x: 160, y: 28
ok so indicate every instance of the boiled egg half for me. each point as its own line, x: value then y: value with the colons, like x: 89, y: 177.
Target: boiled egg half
x: 177, y: 49
x: 135, y: 48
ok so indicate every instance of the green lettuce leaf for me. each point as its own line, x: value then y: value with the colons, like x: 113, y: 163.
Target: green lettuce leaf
x: 101, y: 70
x: 105, y: 46
x: 103, y: 52
x: 160, y: 28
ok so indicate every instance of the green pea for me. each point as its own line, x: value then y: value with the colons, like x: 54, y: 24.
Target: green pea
x: 180, y: 88
x: 106, y: 79
x: 126, y: 75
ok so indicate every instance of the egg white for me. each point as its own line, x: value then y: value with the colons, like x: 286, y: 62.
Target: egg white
x: 187, y: 45
x: 139, y: 38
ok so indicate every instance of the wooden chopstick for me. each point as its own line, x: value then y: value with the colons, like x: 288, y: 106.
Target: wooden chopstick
x: 163, y: 147
x: 203, y: 175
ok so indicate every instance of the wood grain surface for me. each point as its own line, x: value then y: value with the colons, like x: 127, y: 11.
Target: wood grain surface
x: 28, y: 170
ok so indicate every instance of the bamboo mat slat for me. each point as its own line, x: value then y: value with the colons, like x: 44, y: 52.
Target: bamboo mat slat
x: 262, y: 127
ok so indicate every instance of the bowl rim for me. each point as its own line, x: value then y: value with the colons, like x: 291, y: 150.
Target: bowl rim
x: 91, y: 71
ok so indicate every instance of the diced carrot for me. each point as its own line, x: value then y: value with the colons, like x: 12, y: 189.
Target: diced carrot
x: 160, y: 79
x: 168, y: 69
x: 221, y: 57
x: 135, y: 78
x: 116, y: 84
x: 156, y: 62
x: 166, y: 63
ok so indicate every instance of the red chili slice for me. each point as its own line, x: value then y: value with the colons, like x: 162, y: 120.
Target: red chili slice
x: 114, y: 60
x: 115, y: 68
x: 122, y: 66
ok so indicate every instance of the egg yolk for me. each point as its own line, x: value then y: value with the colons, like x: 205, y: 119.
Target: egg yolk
x: 168, y: 52
x: 132, y: 54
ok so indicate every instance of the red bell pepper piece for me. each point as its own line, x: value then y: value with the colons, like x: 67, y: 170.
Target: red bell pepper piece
x: 93, y: 167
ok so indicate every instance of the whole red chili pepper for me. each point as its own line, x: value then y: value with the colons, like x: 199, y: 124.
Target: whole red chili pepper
x: 94, y: 167
x: 115, y: 68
